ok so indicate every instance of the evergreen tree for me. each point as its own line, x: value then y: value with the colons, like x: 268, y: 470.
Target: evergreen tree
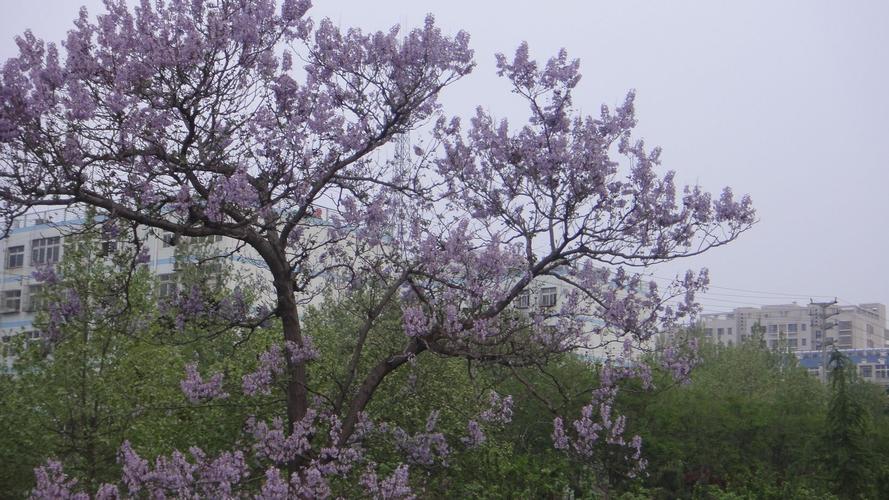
x: 847, y: 456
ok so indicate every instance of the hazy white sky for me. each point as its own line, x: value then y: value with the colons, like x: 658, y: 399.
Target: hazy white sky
x: 787, y: 101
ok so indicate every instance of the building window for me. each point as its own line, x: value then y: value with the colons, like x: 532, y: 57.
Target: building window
x: 35, y: 302
x: 109, y: 247
x: 866, y: 371
x: 791, y: 343
x: 523, y: 300
x: 548, y: 297
x: 31, y: 336
x: 729, y: 331
x: 166, y: 285
x: 773, y: 328
x: 882, y: 371
x: 169, y: 239
x: 708, y: 332
x: 5, y: 348
x: 12, y: 301
x: 46, y: 250
x: 791, y: 328
x: 803, y: 341
x: 206, y: 240
x: 15, y: 257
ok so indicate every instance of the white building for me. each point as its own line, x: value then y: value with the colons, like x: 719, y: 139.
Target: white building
x: 37, y: 239
x: 547, y: 294
x: 802, y: 328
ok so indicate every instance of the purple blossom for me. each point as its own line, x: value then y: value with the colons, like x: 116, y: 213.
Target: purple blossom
x: 475, y: 436
x: 272, y: 443
x: 499, y: 409
x: 45, y: 274
x: 176, y: 475
x: 197, y: 390
x: 52, y: 482
x: 274, y: 487
x: 300, y: 354
x: 271, y: 363
x: 394, y: 487
x: 424, y: 448
x: 415, y: 322
x: 310, y: 484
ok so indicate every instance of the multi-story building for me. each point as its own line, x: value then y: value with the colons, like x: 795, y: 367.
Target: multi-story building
x: 547, y: 294
x: 802, y: 328
x: 37, y: 239
x: 871, y: 364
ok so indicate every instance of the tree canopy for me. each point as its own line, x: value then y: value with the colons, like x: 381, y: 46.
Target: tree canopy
x: 240, y: 118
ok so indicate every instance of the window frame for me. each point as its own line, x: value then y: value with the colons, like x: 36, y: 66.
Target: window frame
x: 548, y: 294
x: 19, y: 255
x: 49, y: 249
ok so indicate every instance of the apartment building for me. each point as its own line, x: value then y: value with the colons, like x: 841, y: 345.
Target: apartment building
x: 38, y: 239
x: 802, y: 327
x: 872, y: 365
x: 547, y: 294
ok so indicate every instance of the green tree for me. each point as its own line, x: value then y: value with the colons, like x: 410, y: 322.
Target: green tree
x: 109, y: 359
x: 81, y: 388
x: 848, y: 459
x: 747, y: 420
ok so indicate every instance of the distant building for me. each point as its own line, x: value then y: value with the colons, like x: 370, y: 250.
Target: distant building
x: 38, y: 240
x: 871, y: 364
x: 801, y: 328
x: 547, y: 294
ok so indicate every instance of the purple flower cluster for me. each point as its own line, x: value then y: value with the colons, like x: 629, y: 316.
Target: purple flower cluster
x: 394, y: 487
x: 176, y: 475
x: 271, y: 363
x: 598, y: 428
x: 52, y: 482
x: 196, y: 389
x: 302, y: 353
x: 475, y: 436
x: 271, y: 442
x: 499, y: 409
x: 423, y: 448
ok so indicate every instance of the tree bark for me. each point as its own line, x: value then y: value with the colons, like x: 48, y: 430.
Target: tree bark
x: 297, y: 386
x: 372, y: 381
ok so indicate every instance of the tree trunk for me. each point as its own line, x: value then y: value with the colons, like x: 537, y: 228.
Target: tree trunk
x: 297, y: 386
x: 370, y: 384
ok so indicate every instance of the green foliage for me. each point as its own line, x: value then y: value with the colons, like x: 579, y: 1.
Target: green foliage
x: 748, y: 419
x: 848, y: 459
x: 109, y: 371
x: 748, y: 424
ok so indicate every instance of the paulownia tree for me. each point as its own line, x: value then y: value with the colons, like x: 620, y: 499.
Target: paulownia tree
x: 240, y: 118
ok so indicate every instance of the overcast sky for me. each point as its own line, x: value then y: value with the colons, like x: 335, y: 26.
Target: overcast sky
x: 787, y: 101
